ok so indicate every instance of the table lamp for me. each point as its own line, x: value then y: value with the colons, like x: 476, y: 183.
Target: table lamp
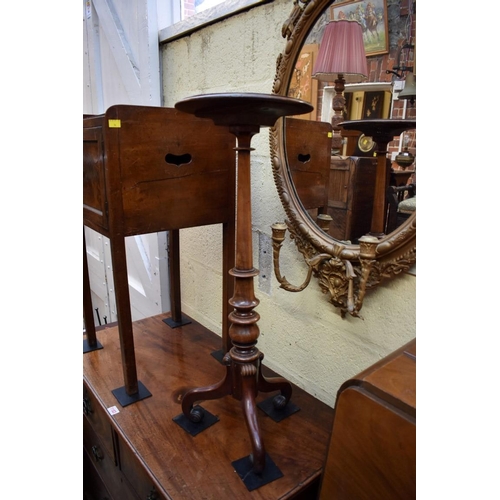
x: 341, y: 58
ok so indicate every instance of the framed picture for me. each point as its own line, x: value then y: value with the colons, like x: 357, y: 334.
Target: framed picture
x: 302, y: 84
x: 373, y: 105
x: 372, y: 15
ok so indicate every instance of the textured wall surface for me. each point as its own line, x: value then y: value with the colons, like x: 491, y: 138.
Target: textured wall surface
x: 302, y: 336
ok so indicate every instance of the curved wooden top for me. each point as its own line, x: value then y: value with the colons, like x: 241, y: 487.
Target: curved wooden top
x: 241, y: 109
x: 382, y: 130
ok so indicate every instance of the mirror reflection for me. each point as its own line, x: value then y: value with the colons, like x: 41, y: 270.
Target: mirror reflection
x: 334, y: 167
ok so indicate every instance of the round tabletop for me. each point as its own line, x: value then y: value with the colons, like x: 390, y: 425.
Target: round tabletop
x: 242, y: 109
x: 382, y: 130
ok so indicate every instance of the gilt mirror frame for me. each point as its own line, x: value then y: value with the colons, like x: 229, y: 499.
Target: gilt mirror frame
x: 344, y: 271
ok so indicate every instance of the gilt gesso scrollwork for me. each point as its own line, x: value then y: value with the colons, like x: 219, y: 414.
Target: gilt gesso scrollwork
x: 345, y: 272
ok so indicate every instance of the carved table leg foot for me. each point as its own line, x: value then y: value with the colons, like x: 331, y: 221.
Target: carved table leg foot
x: 277, y: 407
x: 215, y: 391
x: 195, y: 419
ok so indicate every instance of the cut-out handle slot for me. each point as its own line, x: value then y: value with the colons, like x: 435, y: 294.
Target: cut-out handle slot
x: 178, y: 159
x: 304, y: 158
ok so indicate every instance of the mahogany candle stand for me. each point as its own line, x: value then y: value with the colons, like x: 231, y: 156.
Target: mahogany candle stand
x: 243, y: 114
x: 382, y: 131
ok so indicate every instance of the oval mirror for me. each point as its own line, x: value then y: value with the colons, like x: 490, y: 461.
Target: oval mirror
x: 343, y: 198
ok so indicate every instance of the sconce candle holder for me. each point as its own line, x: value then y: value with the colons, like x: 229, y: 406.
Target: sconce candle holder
x: 353, y: 283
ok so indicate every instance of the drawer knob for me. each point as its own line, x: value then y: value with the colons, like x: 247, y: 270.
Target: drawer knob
x: 97, y: 453
x: 87, y: 408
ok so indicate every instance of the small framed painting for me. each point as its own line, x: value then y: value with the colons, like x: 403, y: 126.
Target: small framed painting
x: 373, y: 105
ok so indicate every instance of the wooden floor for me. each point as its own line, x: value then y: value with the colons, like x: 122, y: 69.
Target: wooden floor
x: 169, y: 361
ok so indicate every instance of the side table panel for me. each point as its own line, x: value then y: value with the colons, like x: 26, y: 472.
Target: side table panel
x: 94, y: 184
x: 176, y: 170
x: 308, y: 149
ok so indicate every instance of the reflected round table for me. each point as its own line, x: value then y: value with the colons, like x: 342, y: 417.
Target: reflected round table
x: 382, y: 131
x: 244, y: 114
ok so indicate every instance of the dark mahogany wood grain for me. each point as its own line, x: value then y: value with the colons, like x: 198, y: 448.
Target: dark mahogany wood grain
x: 186, y: 467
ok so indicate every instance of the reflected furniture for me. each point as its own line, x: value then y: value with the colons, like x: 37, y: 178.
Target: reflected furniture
x: 145, y: 170
x: 308, y: 148
x: 243, y: 115
x: 339, y: 187
x: 382, y: 131
x: 350, y: 196
x: 139, y: 452
x: 372, y: 450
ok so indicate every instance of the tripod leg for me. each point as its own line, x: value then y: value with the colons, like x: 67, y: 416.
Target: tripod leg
x: 215, y: 391
x: 250, y: 412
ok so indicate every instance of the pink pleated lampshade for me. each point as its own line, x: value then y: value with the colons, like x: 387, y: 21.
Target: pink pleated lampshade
x: 341, y: 52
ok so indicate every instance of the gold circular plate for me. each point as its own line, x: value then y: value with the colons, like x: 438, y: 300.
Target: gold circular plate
x: 365, y: 143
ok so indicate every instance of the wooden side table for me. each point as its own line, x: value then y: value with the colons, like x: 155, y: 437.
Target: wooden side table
x: 243, y: 115
x: 151, y: 169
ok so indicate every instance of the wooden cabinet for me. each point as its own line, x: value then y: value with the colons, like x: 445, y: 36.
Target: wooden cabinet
x: 140, y: 452
x: 350, y: 196
x: 372, y: 452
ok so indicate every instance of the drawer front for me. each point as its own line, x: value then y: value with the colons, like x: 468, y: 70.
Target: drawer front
x: 97, y: 418
x: 136, y: 474
x: 104, y: 465
x: 93, y: 486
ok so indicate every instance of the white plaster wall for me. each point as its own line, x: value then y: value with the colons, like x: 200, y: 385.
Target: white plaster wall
x: 302, y: 336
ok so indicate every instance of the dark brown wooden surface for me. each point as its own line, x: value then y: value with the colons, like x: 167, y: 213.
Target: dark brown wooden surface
x: 186, y: 467
x: 372, y: 452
